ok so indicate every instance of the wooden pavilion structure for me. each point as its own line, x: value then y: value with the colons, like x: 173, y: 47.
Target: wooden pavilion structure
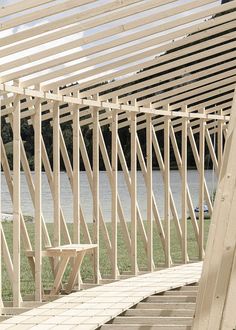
x: 153, y: 67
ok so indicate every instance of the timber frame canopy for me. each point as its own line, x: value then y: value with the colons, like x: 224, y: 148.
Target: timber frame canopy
x: 159, y: 66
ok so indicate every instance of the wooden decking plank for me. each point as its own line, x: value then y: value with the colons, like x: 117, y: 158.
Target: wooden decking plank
x: 6, y: 326
x: 159, y: 312
x: 82, y: 327
x: 21, y: 326
x: 54, y: 312
x: 16, y: 319
x: 153, y: 320
x: 41, y: 327
x: 144, y: 327
x: 63, y: 327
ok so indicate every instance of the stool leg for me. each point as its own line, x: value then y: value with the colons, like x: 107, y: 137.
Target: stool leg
x: 61, y: 270
x: 74, y: 272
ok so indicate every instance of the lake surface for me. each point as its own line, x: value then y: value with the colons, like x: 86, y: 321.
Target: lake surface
x: 105, y: 194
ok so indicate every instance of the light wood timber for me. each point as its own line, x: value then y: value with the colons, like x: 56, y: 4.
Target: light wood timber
x: 16, y: 202
x: 114, y: 192
x: 184, y: 139
x: 149, y: 193
x: 96, y: 218
x: 133, y: 176
x: 56, y: 182
x: 167, y: 188
x: 1, y: 230
x: 38, y: 201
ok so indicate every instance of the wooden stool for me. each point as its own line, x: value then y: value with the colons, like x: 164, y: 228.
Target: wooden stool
x: 65, y: 252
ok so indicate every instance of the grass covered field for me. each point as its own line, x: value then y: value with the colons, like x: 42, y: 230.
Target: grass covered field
x: 27, y: 282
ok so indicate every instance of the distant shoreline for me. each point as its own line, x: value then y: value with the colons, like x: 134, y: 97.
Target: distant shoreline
x: 8, y: 217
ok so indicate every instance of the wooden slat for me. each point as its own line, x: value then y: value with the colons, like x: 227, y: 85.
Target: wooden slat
x: 38, y: 201
x: 201, y: 187
x: 128, y: 181
x: 76, y: 180
x: 96, y: 219
x: 133, y: 165
x: 161, y: 15
x: 68, y: 30
x: 148, y: 32
x: 114, y: 191
x: 161, y: 163
x: 99, y: 104
x: 89, y: 173
x: 39, y: 14
x: 155, y: 212
x: 119, y: 205
x: 167, y: 189
x: 1, y: 230
x: 149, y: 192
x: 20, y: 6
x: 67, y: 21
x: 189, y: 200
x: 176, y: 46
x: 25, y: 241
x: 16, y: 202
x: 184, y: 139
x: 56, y: 177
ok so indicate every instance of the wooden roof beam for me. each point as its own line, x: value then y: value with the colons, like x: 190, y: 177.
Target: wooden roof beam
x: 210, y: 84
x: 42, y: 13
x: 108, y: 9
x: 180, y: 77
x: 21, y: 6
x: 137, y: 67
x: 118, y: 53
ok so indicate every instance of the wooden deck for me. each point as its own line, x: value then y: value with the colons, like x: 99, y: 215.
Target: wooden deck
x: 92, y: 308
x: 169, y: 310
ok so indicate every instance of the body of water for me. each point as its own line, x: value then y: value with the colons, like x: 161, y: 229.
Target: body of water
x: 105, y: 194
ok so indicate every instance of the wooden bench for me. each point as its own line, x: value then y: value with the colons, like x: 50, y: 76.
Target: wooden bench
x: 64, y: 253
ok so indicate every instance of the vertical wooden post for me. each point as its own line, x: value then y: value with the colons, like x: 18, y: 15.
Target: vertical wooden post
x: 56, y: 177
x: 76, y: 178
x: 184, y: 139
x: 149, y: 193
x: 197, y: 161
x: 1, y: 304
x: 96, y: 191
x: 38, y: 199
x: 220, y: 140
x: 114, y: 163
x: 167, y: 187
x: 76, y: 174
x: 16, y: 201
x: 201, y: 185
x: 134, y: 265
x: 120, y: 212
x: 24, y: 235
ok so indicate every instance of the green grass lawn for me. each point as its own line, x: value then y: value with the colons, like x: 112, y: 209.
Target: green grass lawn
x: 27, y: 282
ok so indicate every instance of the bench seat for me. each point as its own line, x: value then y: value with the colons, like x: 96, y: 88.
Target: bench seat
x: 63, y: 253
